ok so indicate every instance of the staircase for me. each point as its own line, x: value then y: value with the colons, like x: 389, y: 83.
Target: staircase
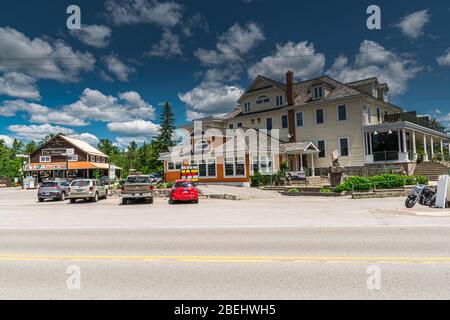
x: 432, y: 170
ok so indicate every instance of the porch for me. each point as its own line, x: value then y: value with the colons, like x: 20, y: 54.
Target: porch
x: 299, y: 157
x: 404, y: 142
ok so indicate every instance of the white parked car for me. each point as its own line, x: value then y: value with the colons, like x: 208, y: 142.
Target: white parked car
x: 88, y: 189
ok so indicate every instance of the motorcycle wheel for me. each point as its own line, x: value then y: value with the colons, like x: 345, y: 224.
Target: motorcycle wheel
x: 410, y: 203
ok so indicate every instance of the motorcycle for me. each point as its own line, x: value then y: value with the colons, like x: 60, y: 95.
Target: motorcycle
x: 422, y: 194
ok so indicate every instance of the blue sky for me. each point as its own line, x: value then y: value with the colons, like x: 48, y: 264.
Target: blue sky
x: 108, y: 79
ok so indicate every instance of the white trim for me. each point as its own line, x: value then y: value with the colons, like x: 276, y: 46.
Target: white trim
x: 175, y: 166
x: 266, y: 123
x: 281, y: 123
x: 346, y: 112
x: 348, y: 146
x: 325, y: 147
x: 323, y: 115
x: 45, y: 159
x: 234, y: 169
x: 303, y: 119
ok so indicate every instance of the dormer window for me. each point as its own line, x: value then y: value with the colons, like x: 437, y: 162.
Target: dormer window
x: 318, y: 93
x: 247, y: 107
x: 262, y: 99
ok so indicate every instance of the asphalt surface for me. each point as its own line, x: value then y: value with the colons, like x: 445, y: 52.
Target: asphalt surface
x: 293, y: 248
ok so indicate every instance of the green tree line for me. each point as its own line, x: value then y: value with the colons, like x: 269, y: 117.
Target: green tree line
x: 143, y: 158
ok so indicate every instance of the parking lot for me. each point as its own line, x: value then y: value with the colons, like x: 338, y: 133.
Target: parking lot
x: 270, y: 248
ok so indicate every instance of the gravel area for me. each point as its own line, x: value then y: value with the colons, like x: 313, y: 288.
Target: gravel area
x: 243, y: 193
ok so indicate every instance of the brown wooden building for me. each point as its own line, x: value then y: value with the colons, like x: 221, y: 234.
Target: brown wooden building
x: 64, y: 157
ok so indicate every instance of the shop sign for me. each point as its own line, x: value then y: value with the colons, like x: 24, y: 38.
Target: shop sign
x: 189, y: 173
x: 46, y: 167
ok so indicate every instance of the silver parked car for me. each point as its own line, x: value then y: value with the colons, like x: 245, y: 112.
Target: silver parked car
x: 88, y: 189
x: 54, y: 190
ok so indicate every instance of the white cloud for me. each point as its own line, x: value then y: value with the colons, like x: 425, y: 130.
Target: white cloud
x: 412, y: 25
x: 301, y: 58
x: 93, y: 35
x: 444, y: 60
x: 232, y: 44
x: 37, y: 132
x: 210, y: 99
x: 134, y: 128
x: 92, y: 105
x: 7, y: 140
x: 86, y: 137
x: 373, y: 60
x: 128, y: 12
x: 197, y: 21
x: 19, y: 85
x: 169, y: 46
x: 118, y: 68
x: 10, y: 108
x: 41, y: 60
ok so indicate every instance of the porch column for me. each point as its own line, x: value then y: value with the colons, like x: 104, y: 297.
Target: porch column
x: 425, y: 149
x: 432, y: 147
x: 370, y: 143
x: 399, y: 141
x: 313, y: 170
x: 442, y: 147
x: 301, y: 163
x: 414, y: 146
x: 405, y: 147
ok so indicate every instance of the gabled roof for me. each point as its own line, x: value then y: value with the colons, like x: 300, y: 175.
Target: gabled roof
x: 299, y: 147
x: 362, y: 82
x: 275, y: 84
x: 338, y: 90
x: 86, y: 147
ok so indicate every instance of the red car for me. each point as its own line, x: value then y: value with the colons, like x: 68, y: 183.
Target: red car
x: 185, y: 191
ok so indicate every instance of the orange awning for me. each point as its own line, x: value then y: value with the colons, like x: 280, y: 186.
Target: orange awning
x: 87, y: 165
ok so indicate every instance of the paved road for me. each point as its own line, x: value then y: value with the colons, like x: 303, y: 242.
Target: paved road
x: 259, y: 251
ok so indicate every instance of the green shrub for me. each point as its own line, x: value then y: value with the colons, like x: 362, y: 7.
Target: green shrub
x: 385, y: 181
x: 326, y: 190
x: 293, y: 191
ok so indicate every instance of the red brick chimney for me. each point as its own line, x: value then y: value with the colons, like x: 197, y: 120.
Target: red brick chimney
x: 290, y: 88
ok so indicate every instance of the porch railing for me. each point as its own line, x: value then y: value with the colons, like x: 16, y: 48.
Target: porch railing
x: 385, y: 156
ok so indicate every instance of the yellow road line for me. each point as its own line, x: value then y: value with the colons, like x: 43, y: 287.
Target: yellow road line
x: 223, y: 259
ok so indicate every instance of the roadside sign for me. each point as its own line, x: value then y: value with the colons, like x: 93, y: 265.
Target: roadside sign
x: 189, y: 173
x: 112, y: 171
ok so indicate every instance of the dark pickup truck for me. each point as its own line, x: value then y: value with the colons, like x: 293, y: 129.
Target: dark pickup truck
x: 137, y: 188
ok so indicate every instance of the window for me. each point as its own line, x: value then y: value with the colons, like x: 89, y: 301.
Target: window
x: 206, y: 168
x: 343, y: 146
x: 74, y: 158
x: 318, y: 93
x: 342, y: 113
x: 321, y: 146
x: 103, y: 159
x: 235, y: 167
x: 262, y: 99
x: 247, y: 107
x: 284, y: 121
x: 263, y: 165
x: 299, y: 119
x: 92, y: 158
x: 231, y: 126
x: 378, y: 114
x: 253, y: 121
x: 202, y: 145
x: 211, y: 168
x: 280, y: 101
x: 239, y: 125
x: 138, y: 179
x: 259, y: 120
x: 98, y: 159
x: 172, y: 166
x: 269, y: 123
x: 319, y: 116
x: 45, y: 159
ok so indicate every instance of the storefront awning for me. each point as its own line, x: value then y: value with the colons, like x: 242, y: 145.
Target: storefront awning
x: 63, y: 166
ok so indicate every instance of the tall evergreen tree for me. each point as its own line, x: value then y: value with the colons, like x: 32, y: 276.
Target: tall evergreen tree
x: 30, y: 147
x: 165, y: 138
